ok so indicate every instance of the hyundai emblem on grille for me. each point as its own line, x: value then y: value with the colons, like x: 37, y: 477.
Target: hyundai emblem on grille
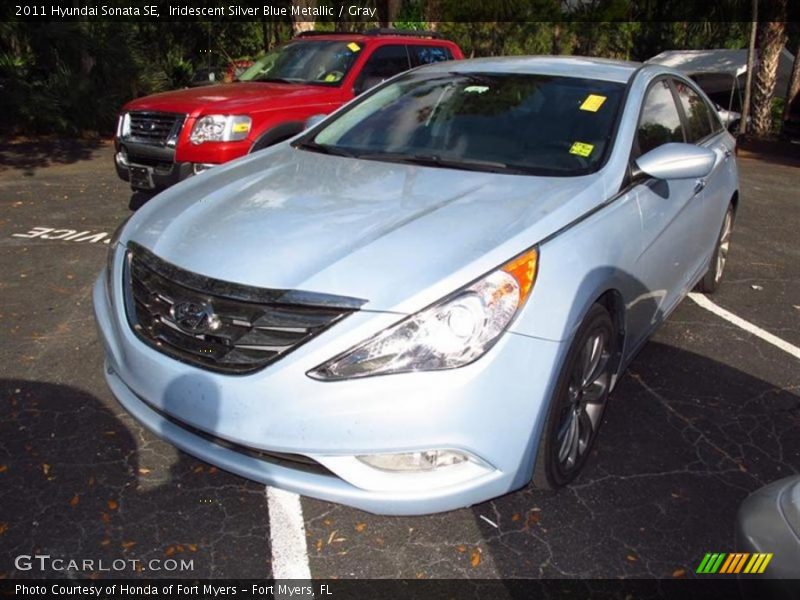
x: 193, y: 317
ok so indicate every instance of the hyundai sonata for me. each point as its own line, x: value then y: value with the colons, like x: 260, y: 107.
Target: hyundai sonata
x: 423, y: 301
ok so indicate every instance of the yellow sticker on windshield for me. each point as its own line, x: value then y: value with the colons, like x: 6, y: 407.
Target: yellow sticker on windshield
x: 354, y: 47
x: 593, y: 102
x: 581, y: 149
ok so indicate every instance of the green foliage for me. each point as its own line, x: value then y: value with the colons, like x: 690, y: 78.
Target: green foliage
x: 72, y: 77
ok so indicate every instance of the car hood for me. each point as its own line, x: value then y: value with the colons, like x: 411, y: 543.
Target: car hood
x: 398, y: 236
x: 232, y: 97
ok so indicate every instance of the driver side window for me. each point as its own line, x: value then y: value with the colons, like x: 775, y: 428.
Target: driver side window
x: 385, y: 62
x: 660, y: 122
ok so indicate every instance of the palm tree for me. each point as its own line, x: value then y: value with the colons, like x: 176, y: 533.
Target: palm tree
x: 794, y: 85
x: 772, y: 41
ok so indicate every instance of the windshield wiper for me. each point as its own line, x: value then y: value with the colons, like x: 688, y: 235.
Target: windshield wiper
x: 433, y: 160
x: 322, y: 148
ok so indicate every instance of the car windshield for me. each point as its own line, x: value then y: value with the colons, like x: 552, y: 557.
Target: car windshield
x: 514, y: 123
x: 318, y: 62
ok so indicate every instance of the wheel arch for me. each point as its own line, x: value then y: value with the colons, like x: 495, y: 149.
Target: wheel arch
x: 613, y: 302
x: 276, y: 134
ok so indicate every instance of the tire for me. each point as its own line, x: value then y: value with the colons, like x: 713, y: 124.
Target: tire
x: 710, y: 281
x: 577, y: 407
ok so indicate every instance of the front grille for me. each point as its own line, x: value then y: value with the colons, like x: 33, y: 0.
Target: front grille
x: 156, y: 128
x: 218, y: 325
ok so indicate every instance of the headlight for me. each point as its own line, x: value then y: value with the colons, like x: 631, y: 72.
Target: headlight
x: 123, y: 125
x: 112, y: 247
x: 220, y: 128
x: 451, y: 333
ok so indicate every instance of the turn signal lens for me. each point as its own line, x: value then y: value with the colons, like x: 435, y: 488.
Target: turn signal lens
x: 523, y: 268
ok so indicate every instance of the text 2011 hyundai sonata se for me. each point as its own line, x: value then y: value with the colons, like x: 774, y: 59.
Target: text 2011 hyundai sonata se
x: 424, y: 301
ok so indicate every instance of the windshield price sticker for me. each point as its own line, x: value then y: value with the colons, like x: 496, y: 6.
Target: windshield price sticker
x: 354, y: 47
x: 581, y: 149
x: 593, y: 102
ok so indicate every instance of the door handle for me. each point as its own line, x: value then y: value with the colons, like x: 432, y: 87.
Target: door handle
x: 699, y: 185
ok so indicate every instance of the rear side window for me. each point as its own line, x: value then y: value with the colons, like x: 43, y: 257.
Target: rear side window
x: 698, y: 115
x: 385, y: 62
x: 427, y: 55
x: 660, y: 122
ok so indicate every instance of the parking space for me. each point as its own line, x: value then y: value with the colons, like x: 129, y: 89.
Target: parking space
x: 707, y: 413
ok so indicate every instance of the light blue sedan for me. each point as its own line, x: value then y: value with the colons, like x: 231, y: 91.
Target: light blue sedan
x: 423, y: 301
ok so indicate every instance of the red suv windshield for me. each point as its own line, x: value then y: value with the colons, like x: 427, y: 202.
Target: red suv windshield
x: 319, y: 62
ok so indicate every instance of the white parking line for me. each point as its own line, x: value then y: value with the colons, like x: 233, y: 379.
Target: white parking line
x: 287, y: 533
x: 72, y: 235
x: 704, y: 302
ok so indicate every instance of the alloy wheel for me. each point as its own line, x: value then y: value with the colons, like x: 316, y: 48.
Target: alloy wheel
x: 582, y: 405
x: 724, y: 245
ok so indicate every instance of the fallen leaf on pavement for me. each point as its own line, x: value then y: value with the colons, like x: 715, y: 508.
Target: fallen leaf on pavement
x: 475, y: 558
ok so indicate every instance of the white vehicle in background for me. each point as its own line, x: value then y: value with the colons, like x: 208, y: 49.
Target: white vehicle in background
x: 720, y: 73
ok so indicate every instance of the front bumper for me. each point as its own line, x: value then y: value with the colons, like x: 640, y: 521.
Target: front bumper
x: 493, y: 410
x: 162, y: 170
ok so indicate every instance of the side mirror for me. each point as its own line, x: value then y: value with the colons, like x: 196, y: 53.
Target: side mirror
x: 677, y: 161
x: 314, y: 119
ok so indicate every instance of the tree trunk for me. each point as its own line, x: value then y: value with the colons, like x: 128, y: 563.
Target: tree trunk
x: 556, y: 39
x: 302, y: 23
x: 794, y: 85
x: 432, y: 13
x: 751, y: 59
x: 772, y: 40
x: 388, y: 11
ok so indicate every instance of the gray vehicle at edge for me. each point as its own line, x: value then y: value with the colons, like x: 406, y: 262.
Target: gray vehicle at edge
x: 424, y: 301
x: 769, y: 522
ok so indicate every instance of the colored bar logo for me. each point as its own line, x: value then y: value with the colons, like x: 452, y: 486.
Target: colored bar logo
x: 737, y: 562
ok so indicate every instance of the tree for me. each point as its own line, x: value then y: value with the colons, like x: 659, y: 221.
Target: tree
x: 794, y: 85
x: 388, y: 11
x: 302, y: 23
x: 772, y: 40
x: 751, y: 59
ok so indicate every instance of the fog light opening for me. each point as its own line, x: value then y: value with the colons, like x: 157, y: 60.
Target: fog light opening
x: 428, y: 460
x: 122, y: 158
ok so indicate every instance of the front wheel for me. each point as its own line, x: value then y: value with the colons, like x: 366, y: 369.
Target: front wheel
x: 710, y: 281
x: 577, y: 407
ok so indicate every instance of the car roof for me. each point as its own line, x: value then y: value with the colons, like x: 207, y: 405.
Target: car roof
x: 361, y: 37
x: 569, y: 66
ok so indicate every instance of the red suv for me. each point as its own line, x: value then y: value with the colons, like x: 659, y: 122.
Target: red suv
x: 164, y: 138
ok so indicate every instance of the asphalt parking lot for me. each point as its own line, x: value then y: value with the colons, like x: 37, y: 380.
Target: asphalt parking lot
x: 708, y: 413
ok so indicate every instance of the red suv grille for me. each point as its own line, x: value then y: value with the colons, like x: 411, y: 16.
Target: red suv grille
x: 157, y: 128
